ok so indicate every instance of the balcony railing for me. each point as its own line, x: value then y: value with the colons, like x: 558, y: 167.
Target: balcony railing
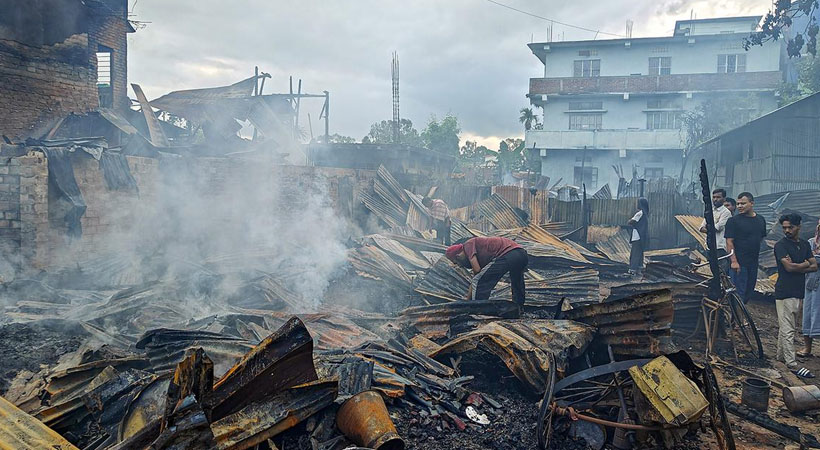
x: 656, y: 83
x: 606, y: 139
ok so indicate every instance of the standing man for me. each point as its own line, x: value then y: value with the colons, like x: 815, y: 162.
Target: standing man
x: 722, y: 216
x: 491, y: 258
x: 744, y: 233
x: 731, y: 205
x: 440, y: 213
x: 794, y: 260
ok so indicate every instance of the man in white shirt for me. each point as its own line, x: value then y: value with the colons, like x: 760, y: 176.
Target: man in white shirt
x: 722, y: 215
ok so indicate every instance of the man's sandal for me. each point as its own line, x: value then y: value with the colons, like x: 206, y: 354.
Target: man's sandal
x: 803, y: 373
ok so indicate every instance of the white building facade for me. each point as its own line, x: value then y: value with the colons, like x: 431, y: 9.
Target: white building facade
x: 620, y: 102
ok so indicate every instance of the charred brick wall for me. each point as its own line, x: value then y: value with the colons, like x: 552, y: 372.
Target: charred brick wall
x: 110, y: 30
x: 48, y: 61
x: 38, y: 84
x: 23, y: 211
x: 111, y: 214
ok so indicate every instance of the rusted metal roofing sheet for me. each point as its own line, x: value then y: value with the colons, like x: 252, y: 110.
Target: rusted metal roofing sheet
x: 579, y: 287
x: 617, y: 247
x: 395, y: 248
x: 19, y: 430
x: 437, y: 320
x: 524, y: 346
x: 692, y: 226
x: 176, y: 100
x: 500, y: 213
x: 371, y: 261
x: 637, y: 326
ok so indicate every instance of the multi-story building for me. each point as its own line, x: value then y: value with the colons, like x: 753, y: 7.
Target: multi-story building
x: 621, y: 102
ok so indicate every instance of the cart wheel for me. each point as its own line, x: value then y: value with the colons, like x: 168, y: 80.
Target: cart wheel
x: 746, y: 325
x: 544, y: 427
x: 719, y: 421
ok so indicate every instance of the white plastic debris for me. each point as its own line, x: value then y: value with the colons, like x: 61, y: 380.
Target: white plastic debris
x: 476, y: 417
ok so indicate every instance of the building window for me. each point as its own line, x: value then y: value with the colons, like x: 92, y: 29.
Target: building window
x: 663, y: 120
x: 731, y: 63
x: 587, y: 159
x: 586, y: 106
x: 587, y: 53
x: 586, y: 175
x: 653, y: 172
x: 585, y: 121
x: 587, y: 68
x: 663, y: 103
x: 104, y: 87
x: 660, y: 65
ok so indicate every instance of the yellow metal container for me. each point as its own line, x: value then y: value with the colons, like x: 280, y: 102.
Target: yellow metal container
x: 674, y: 396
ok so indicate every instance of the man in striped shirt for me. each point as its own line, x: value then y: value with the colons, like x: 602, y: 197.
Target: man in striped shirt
x: 440, y: 213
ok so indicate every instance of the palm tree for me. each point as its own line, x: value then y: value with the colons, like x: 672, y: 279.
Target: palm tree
x: 528, y: 118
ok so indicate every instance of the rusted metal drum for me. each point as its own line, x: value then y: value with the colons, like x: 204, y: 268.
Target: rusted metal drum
x: 801, y: 398
x: 755, y: 393
x: 364, y: 419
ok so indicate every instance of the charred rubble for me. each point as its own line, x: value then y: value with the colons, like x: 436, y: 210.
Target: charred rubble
x: 131, y: 369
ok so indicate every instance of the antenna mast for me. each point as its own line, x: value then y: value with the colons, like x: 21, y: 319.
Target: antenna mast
x: 396, y: 116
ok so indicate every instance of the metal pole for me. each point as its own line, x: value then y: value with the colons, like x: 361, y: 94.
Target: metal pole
x: 327, y: 116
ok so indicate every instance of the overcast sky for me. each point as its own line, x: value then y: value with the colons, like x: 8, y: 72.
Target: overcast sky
x: 466, y: 57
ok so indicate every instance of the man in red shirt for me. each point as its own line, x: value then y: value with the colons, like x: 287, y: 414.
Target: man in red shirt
x: 491, y: 258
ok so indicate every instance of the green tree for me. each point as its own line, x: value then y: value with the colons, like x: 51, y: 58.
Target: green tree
x: 528, y: 118
x: 511, y: 154
x: 782, y: 16
x: 382, y: 133
x: 808, y: 80
x: 335, y: 138
x: 442, y: 136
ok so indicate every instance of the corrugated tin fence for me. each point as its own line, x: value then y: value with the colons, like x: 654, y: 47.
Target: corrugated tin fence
x: 534, y: 202
x: 664, y: 230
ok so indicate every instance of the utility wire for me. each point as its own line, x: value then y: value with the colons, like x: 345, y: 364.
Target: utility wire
x: 553, y: 20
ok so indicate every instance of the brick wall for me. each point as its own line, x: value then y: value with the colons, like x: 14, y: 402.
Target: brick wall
x: 38, y: 84
x: 110, y: 31
x: 226, y: 191
x: 23, y: 210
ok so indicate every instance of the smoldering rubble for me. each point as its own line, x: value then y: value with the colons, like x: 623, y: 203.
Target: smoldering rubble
x: 305, y: 331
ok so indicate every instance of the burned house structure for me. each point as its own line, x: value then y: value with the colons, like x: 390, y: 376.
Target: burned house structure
x: 59, y: 57
x: 411, y: 165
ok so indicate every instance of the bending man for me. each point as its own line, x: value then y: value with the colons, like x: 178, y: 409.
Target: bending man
x: 490, y: 258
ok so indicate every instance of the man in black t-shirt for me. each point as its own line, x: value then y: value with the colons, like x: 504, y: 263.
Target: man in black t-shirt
x: 794, y: 260
x: 744, y: 233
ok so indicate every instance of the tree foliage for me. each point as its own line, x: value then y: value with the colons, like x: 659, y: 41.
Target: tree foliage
x: 716, y: 116
x: 442, y: 136
x: 778, y: 24
x: 511, y: 155
x: 335, y: 138
x: 382, y: 133
x: 808, y: 80
x: 529, y: 119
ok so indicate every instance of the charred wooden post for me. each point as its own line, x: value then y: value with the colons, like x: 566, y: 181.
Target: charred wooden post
x: 715, y: 290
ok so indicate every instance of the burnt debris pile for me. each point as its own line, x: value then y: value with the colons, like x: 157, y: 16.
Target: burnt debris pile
x: 229, y: 356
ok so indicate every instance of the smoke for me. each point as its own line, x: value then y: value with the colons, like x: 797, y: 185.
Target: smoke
x: 226, y: 219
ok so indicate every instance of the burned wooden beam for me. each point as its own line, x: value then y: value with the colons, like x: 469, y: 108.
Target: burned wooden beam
x: 194, y: 376
x: 282, y: 360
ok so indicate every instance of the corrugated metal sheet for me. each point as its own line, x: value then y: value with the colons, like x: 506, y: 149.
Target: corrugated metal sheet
x: 663, y: 228
x: 617, y: 247
x: 19, y: 430
x: 500, y: 213
x: 692, y: 226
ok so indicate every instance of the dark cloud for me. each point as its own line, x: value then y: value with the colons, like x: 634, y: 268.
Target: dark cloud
x: 466, y: 57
